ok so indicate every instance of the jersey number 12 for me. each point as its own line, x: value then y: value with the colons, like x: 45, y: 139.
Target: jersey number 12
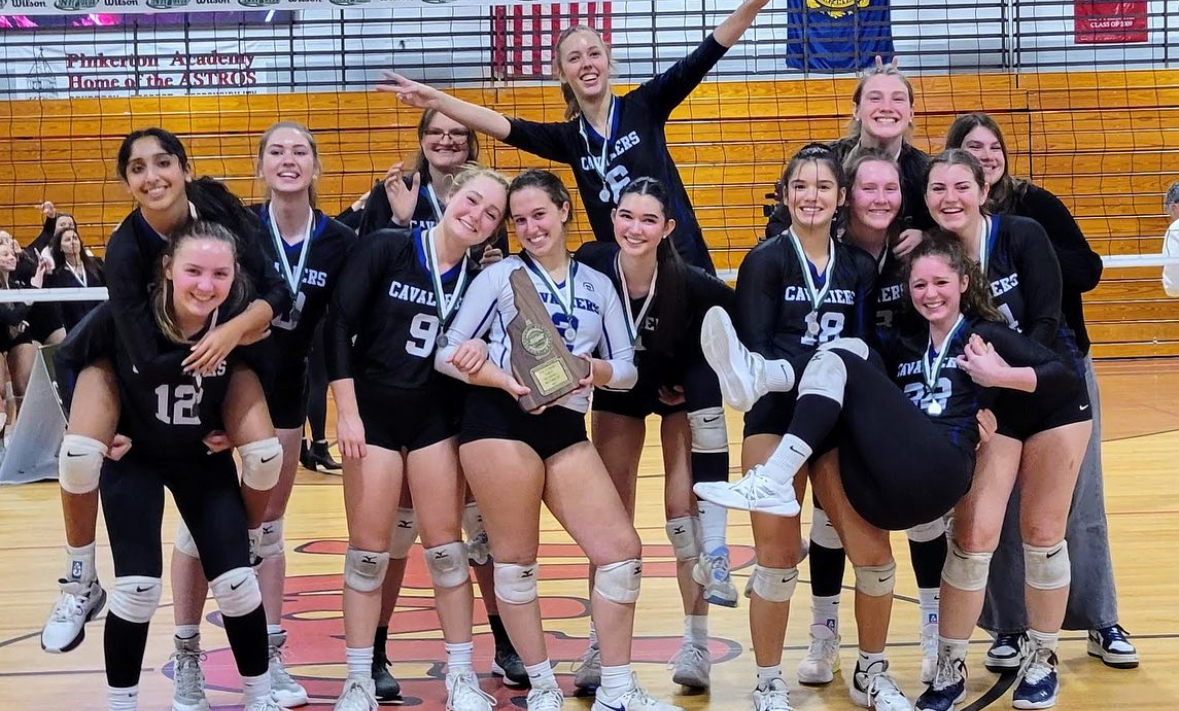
x: 179, y: 406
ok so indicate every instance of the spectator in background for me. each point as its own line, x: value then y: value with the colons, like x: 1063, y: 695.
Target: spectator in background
x: 73, y: 267
x: 353, y: 214
x: 54, y: 222
x: 1171, y: 240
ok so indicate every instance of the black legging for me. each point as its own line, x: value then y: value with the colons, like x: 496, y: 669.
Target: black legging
x: 317, y: 387
x: 206, y: 492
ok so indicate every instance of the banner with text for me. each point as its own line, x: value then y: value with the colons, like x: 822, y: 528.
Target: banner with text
x: 1109, y: 22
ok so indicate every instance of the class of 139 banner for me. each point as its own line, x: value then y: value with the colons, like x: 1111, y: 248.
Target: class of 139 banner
x: 1109, y: 22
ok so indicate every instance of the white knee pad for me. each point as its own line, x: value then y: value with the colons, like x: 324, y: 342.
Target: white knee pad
x: 79, y: 463
x: 709, y: 433
x: 926, y: 532
x: 823, y: 533
x: 184, y: 541
x: 447, y: 564
x: 1047, y: 568
x: 619, y: 582
x: 135, y: 598
x: 405, y: 532
x: 876, y: 580
x: 515, y: 584
x: 824, y: 375
x: 364, y: 571
x: 236, y: 592
x: 271, y: 545
x: 773, y: 584
x: 261, y: 463
x: 966, y: 571
x: 849, y: 345
x: 684, y: 534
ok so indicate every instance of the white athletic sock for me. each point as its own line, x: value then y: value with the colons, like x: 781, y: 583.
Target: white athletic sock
x: 765, y: 675
x: 80, y: 563
x: 696, y: 630
x: 779, y: 376
x: 928, y: 604
x: 458, y: 657
x: 360, y: 662
x: 714, y: 519
x: 593, y: 635
x: 187, y: 632
x: 257, y: 687
x: 790, y: 456
x: 540, y: 676
x: 867, y: 659
x: 122, y: 699
x: 951, y: 648
x: 273, y: 629
x: 615, y: 680
x: 1044, y: 640
x: 825, y: 613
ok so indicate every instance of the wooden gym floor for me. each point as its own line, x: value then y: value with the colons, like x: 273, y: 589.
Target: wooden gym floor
x: 1141, y: 413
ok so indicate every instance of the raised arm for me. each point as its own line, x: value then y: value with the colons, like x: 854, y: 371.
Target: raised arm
x: 421, y: 96
x: 729, y: 31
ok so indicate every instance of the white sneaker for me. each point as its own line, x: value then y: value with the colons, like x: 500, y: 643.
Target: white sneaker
x: 821, y: 662
x: 692, y: 666
x: 265, y: 703
x: 712, y: 573
x: 189, y: 681
x: 753, y: 492
x: 78, y: 603
x: 287, y: 692
x: 357, y: 695
x: 587, y: 674
x: 545, y: 699
x: 877, y: 689
x: 741, y: 373
x: 463, y: 693
x: 635, y: 698
x: 928, y: 653
x: 774, y: 696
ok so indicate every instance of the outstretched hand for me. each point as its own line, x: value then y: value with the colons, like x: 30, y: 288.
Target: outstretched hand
x: 408, y: 92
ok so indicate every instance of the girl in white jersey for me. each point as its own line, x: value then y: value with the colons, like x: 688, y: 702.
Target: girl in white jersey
x: 515, y: 460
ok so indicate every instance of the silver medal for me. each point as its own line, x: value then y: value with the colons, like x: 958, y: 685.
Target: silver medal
x: 935, y: 408
x: 812, y: 326
x: 441, y: 341
x: 570, y: 334
x: 604, y: 196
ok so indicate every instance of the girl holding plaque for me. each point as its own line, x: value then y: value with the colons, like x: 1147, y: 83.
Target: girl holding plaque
x: 1041, y: 446
x: 665, y: 301
x: 514, y: 460
x: 387, y: 320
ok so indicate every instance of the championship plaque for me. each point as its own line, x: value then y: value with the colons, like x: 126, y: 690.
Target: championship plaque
x: 540, y: 360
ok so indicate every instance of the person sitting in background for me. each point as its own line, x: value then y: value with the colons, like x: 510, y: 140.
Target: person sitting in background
x: 1171, y: 240
x: 353, y: 214
x: 73, y: 267
x: 54, y: 222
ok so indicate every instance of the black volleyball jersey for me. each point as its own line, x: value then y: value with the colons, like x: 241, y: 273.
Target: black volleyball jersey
x: 638, y: 148
x: 890, y: 291
x: 291, y: 332
x: 958, y: 399
x: 167, y: 413
x: 387, y: 304
x: 775, y: 316
x: 1024, y: 275
x: 133, y: 258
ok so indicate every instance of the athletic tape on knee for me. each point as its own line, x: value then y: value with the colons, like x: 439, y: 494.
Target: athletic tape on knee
x: 619, y: 582
x: 964, y: 570
x: 447, y: 564
x: 823, y: 533
x: 684, y: 534
x: 184, y: 541
x: 709, y: 433
x: 926, y: 532
x: 849, y: 345
x: 515, y: 584
x: 405, y: 532
x: 876, y: 580
x: 135, y: 598
x: 236, y: 592
x: 271, y: 545
x: 79, y: 463
x: 824, y: 375
x: 1047, y: 568
x: 773, y: 584
x: 364, y: 571
x: 261, y: 463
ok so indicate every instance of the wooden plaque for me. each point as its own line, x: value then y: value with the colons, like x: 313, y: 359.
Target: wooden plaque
x: 540, y: 360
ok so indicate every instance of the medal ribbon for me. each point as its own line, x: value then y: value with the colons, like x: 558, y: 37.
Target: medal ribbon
x: 816, y: 295
x: 930, y: 372
x: 600, y: 164
x: 984, y: 245
x: 292, y: 278
x: 435, y: 203
x: 634, y: 325
x: 446, y: 307
x: 565, y: 303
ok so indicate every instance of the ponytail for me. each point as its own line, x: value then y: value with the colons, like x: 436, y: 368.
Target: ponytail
x: 215, y: 203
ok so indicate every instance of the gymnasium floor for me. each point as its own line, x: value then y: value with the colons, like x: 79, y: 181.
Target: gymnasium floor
x: 1141, y: 412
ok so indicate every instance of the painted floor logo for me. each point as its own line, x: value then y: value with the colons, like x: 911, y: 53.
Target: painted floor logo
x: 313, y: 619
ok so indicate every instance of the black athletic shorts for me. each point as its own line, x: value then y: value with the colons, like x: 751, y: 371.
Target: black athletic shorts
x: 286, y: 395
x: 638, y: 402
x: 491, y: 413
x: 1041, y: 415
x: 396, y: 418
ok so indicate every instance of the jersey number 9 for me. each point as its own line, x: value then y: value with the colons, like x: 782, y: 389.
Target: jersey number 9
x: 423, y: 331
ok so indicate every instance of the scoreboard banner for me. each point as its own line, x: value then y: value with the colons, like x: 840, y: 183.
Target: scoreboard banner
x: 130, y: 7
